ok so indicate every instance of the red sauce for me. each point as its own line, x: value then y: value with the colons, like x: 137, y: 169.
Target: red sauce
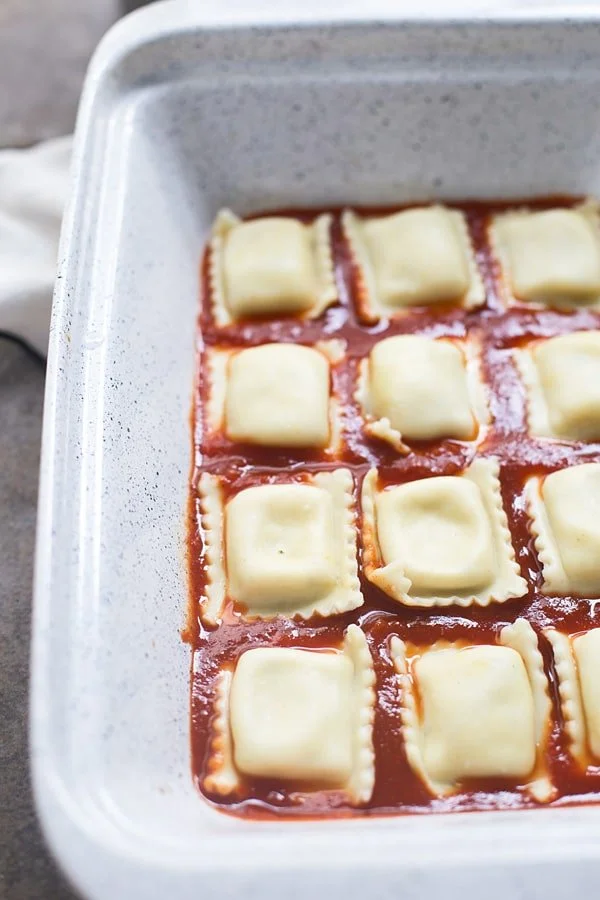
x: 397, y: 788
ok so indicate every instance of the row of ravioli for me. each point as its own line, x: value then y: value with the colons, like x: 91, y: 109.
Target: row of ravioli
x: 409, y: 388
x: 305, y: 718
x: 421, y: 256
x: 288, y: 546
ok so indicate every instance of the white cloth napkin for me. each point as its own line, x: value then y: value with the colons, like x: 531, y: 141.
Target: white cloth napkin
x: 33, y: 188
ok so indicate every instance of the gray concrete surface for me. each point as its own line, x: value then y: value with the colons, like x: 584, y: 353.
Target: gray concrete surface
x: 44, y: 48
x: 26, y: 870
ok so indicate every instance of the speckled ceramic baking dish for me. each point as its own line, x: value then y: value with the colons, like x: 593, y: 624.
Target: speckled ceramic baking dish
x: 182, y: 114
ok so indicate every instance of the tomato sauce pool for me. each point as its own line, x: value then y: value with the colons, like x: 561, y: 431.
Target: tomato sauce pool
x: 397, y: 788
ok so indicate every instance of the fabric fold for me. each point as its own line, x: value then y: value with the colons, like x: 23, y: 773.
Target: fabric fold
x: 33, y: 190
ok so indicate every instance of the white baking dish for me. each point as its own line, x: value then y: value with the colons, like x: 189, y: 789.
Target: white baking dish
x: 181, y: 115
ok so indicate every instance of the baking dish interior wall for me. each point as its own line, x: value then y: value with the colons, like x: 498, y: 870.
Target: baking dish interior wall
x: 411, y: 113
x: 395, y: 115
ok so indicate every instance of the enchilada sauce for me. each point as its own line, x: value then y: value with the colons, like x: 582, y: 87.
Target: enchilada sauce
x: 397, y: 788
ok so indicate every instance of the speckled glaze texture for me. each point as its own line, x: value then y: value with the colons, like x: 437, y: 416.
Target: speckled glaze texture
x: 179, y: 117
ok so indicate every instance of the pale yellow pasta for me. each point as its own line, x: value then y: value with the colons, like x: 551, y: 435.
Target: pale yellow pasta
x: 415, y: 388
x: 564, y: 511
x: 483, y: 711
x: 417, y: 257
x: 286, y: 548
x: 270, y: 266
x: 550, y: 257
x: 562, y: 379
x: 442, y: 540
x: 299, y: 716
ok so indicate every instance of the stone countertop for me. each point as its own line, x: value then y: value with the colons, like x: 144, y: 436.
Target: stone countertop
x: 59, y: 35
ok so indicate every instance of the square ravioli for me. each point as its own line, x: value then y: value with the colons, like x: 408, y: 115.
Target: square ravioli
x: 440, y: 541
x: 577, y: 663
x: 562, y: 379
x: 420, y: 388
x: 417, y: 257
x: 287, y: 548
x: 476, y: 711
x: 301, y: 717
x: 550, y: 257
x: 271, y: 266
x: 273, y: 395
x: 564, y: 510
